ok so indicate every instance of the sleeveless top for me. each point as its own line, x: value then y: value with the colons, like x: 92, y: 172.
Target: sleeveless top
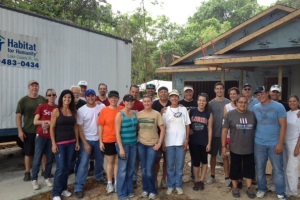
x: 199, y: 122
x: 64, y: 129
x: 128, y: 129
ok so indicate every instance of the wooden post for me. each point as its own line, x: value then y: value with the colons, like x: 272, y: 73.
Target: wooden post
x: 223, y: 75
x: 280, y: 77
x: 241, y: 80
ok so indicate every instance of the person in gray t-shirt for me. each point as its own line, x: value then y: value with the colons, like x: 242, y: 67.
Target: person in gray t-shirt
x: 216, y: 107
x: 241, y: 123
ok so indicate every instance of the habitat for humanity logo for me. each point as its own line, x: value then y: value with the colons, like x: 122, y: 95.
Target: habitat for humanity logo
x: 1, y: 42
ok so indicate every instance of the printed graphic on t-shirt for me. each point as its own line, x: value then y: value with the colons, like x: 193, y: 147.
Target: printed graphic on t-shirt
x: 146, y: 123
x: 198, y: 123
x: 266, y: 116
x: 243, y: 125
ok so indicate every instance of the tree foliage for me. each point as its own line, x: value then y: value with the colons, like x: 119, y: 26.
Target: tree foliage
x: 290, y: 3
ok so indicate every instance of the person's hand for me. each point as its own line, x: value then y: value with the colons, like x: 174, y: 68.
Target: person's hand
x: 208, y: 148
x: 122, y: 153
x: 224, y: 151
x: 77, y: 146
x: 54, y: 148
x: 163, y: 147
x: 185, y: 144
x: 102, y: 148
x: 21, y: 135
x: 278, y: 148
x: 296, y: 151
x: 163, y: 110
x: 156, y: 146
x: 87, y: 148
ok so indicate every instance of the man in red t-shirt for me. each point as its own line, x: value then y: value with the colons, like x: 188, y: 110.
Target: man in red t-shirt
x: 137, y: 105
x: 102, y: 89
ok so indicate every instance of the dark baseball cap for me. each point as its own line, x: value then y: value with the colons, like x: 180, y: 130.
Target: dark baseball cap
x: 260, y: 89
x: 247, y: 85
x: 150, y: 86
x: 163, y: 88
x: 113, y: 93
x: 128, y: 97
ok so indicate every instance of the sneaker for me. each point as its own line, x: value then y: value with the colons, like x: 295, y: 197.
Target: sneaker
x: 163, y: 184
x: 211, y: 180
x: 260, y: 194
x: 250, y: 193
x: 110, y: 188
x: 201, y: 185
x: 179, y: 191
x: 196, y: 186
x: 56, y: 198
x: 48, y: 182
x: 281, y: 197
x: 79, y: 194
x: 152, y: 196
x: 235, y: 192
x: 131, y: 195
x: 144, y: 194
x: 169, y: 191
x: 227, y: 182
x: 66, y: 193
x: 27, y: 177
x: 35, y: 185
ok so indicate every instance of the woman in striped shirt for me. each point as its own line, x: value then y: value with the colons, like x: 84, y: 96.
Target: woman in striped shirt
x: 126, y: 123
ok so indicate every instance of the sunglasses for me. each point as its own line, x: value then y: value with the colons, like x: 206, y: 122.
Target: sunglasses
x: 247, y: 89
x: 51, y: 95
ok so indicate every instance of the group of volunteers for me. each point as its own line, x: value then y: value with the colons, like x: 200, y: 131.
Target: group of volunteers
x: 84, y: 128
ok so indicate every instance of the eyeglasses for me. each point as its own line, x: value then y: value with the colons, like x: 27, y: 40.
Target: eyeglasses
x: 247, y: 89
x: 51, y: 95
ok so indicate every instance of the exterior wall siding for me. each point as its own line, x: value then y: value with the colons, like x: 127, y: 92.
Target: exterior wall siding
x: 68, y: 54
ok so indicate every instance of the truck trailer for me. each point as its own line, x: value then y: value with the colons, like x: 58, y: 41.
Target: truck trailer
x: 57, y: 54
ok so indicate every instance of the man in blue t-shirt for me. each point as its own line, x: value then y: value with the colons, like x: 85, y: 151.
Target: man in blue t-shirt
x: 268, y: 142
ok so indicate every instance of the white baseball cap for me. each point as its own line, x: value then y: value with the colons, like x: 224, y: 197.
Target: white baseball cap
x: 275, y: 88
x: 188, y: 88
x: 84, y: 83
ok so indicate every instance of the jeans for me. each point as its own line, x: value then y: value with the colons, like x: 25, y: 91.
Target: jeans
x: 136, y: 167
x: 125, y: 170
x: 82, y: 165
x: 42, y: 146
x: 175, y: 156
x: 148, y: 157
x: 63, y: 162
x: 261, y: 155
x: 290, y: 164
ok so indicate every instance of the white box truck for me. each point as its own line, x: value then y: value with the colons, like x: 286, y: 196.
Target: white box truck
x: 57, y: 55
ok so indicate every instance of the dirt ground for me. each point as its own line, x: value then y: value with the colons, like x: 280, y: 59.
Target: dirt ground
x: 94, y: 190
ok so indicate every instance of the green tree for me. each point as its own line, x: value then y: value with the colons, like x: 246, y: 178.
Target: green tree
x: 290, y: 3
x: 233, y: 11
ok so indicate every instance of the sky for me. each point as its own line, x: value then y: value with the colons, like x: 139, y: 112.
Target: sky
x: 177, y: 10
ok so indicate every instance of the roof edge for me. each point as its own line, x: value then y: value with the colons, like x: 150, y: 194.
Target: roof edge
x: 64, y: 23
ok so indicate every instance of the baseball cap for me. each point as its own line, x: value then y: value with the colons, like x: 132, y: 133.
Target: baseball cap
x: 163, y: 88
x: 82, y: 82
x: 188, y: 88
x: 128, y: 97
x: 32, y: 81
x: 90, y: 91
x: 275, y: 88
x: 260, y: 89
x: 150, y: 86
x: 174, y: 92
x: 113, y: 93
x: 247, y: 85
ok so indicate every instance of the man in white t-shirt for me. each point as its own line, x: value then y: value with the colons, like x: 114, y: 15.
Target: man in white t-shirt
x: 87, y: 117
